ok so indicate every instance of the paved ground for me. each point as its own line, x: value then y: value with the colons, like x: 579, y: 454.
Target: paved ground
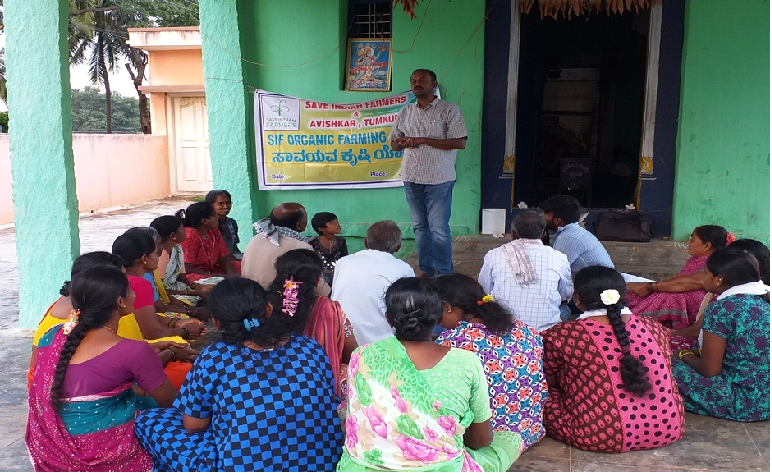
x: 710, y: 444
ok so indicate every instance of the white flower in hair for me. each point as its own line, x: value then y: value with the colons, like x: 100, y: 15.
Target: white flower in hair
x: 609, y: 297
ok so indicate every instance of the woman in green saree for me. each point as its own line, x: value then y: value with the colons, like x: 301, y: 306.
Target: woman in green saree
x: 418, y: 406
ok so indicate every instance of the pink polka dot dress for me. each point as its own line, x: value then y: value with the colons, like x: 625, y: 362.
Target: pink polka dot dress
x: 591, y: 409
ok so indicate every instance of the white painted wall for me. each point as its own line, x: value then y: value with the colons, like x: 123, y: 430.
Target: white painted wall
x: 110, y: 170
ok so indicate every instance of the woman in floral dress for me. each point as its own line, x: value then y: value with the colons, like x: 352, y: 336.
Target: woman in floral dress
x: 417, y: 405
x: 510, y: 351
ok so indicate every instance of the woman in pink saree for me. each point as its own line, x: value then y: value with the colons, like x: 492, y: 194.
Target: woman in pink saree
x: 675, y: 302
x: 82, y: 403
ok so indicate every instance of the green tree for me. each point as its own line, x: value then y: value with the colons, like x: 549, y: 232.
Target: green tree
x: 101, y: 48
x: 98, y: 36
x: 89, y: 112
x: 3, y: 82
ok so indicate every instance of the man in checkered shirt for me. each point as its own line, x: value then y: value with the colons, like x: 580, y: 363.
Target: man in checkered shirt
x: 429, y: 131
x: 526, y: 277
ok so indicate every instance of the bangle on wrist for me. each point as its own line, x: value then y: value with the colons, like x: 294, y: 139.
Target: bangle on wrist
x: 185, y: 333
x: 683, y: 353
x: 174, y: 354
x: 650, y: 287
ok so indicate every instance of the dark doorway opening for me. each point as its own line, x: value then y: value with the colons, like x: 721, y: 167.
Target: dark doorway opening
x: 580, y: 108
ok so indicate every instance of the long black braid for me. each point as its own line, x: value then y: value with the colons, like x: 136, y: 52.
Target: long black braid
x: 69, y: 348
x: 589, y: 283
x: 94, y: 292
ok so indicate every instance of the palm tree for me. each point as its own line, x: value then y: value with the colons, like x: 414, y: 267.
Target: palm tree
x: 3, y: 86
x: 98, y: 38
x: 98, y: 35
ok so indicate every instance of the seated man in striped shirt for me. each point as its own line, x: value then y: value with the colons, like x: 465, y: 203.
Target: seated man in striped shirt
x: 580, y: 246
x: 526, y: 277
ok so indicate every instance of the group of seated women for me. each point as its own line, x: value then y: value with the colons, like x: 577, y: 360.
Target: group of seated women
x: 286, y: 387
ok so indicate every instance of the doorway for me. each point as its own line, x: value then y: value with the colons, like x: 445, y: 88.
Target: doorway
x: 580, y: 108
x: 190, y: 167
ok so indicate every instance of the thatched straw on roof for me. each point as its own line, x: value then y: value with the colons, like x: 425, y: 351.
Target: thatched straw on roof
x: 408, y: 6
x: 569, y: 8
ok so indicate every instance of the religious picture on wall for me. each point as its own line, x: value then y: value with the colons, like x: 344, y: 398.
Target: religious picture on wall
x: 368, y: 64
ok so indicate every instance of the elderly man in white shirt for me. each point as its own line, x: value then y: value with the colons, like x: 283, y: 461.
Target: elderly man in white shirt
x: 361, y: 280
x: 527, y: 277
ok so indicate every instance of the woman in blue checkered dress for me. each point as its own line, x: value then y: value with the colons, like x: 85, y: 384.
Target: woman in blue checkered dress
x: 262, y: 399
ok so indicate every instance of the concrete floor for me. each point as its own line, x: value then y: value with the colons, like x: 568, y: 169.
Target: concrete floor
x: 710, y: 444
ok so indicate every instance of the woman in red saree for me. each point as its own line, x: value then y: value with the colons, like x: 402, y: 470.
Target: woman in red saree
x: 675, y: 302
x: 206, y: 254
x: 294, y: 292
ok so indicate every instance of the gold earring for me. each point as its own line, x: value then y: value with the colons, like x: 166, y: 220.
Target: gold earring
x: 121, y: 305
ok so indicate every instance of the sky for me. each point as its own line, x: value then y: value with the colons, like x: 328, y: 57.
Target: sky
x: 119, y: 79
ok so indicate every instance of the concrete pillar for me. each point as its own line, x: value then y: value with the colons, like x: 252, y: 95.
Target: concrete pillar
x: 230, y: 135
x: 42, y: 168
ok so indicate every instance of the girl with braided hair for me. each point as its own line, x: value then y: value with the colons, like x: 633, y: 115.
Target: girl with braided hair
x: 609, y: 373
x: 416, y: 405
x: 171, y: 353
x: 82, y: 399
x: 59, y: 311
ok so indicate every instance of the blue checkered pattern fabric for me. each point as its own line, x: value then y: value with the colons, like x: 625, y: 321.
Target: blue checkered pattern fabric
x: 270, y: 411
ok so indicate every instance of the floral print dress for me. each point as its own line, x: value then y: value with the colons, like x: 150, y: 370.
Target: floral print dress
x: 400, y: 418
x: 513, y: 367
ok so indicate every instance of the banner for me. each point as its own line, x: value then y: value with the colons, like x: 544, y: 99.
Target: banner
x: 303, y: 144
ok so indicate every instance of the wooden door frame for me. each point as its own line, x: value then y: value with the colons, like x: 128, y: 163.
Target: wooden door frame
x: 171, y: 127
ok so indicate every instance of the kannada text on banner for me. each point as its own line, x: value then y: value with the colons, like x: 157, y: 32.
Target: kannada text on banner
x: 303, y: 144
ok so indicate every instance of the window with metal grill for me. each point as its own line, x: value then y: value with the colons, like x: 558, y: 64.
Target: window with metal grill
x: 369, y: 19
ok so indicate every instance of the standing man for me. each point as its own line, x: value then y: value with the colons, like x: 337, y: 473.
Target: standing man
x: 429, y: 131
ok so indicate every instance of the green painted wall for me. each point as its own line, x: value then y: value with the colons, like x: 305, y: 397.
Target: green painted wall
x: 722, y: 162
x: 227, y: 110
x: 292, y: 32
x: 42, y: 169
